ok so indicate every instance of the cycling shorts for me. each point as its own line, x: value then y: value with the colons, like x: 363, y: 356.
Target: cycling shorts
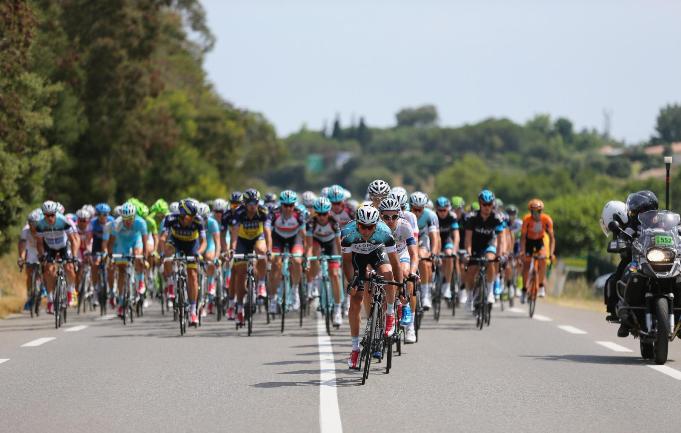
x: 481, y: 253
x: 533, y: 246
x: 64, y: 253
x: 246, y: 246
x: 294, y: 244
x: 361, y: 262
x: 329, y: 248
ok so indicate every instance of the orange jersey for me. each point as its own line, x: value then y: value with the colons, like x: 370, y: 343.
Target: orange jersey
x: 536, y: 230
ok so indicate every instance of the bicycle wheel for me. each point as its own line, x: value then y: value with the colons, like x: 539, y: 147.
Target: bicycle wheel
x: 532, y: 295
x: 285, y: 289
x: 481, y: 301
x: 325, y: 303
x: 56, y: 304
x: 302, y: 295
x: 369, y: 337
x: 418, y: 315
x: 32, y: 295
x: 249, y: 308
x: 388, y: 351
x: 179, y: 303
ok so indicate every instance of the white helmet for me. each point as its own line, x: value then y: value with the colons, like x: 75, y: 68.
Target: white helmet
x: 430, y: 204
x: 220, y: 205
x: 35, y: 216
x: 203, y: 210
x: 50, y: 207
x: 367, y: 215
x: 400, y: 196
x: 308, y: 198
x: 325, y: 191
x: 613, y: 211
x: 378, y: 188
x: 127, y: 210
x: 174, y: 208
x: 419, y: 199
x: 60, y: 208
x: 399, y: 189
x: 83, y: 214
x: 389, y: 204
x: 348, y: 194
x: 91, y: 209
x: 116, y: 212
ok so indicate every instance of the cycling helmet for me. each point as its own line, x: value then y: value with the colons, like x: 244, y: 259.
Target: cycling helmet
x: 127, y: 210
x: 308, y: 198
x: 347, y: 194
x: 236, y: 197
x: 50, y: 207
x: 399, y: 189
x: 116, y: 212
x: 498, y: 204
x: 535, y: 204
x: 103, y: 208
x: 367, y: 215
x: 251, y: 195
x: 324, y: 191
x: 322, y: 205
x: 378, y: 189
x: 90, y: 209
x: 458, y: 202
x: 418, y: 199
x: 220, y: 205
x: 486, y: 196
x: 638, y: 202
x: 288, y: 197
x: 389, y: 204
x: 203, y: 210
x: 83, y: 214
x: 511, y: 209
x: 60, y: 208
x: 475, y: 206
x: 160, y: 207
x: 35, y: 216
x: 400, y: 196
x: 142, y: 209
x: 613, y: 211
x: 270, y: 197
x: 174, y: 208
x: 442, y: 202
x: 336, y: 194
x: 187, y: 207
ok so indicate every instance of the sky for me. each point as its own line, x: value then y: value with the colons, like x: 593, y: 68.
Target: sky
x: 306, y: 62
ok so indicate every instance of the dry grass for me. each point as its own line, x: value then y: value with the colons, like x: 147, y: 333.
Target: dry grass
x: 12, y: 286
x: 578, y: 293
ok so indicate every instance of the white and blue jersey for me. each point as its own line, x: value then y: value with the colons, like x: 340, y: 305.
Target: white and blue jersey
x: 212, y: 227
x: 97, y: 229
x: 55, y: 236
x: 127, y: 238
x: 353, y: 242
x: 428, y: 223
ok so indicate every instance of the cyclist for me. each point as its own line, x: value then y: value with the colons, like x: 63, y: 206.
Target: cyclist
x: 212, y: 251
x: 185, y: 233
x: 377, y: 191
x: 128, y: 236
x: 398, y: 193
x: 251, y: 228
x: 483, y: 239
x: 235, y: 202
x: 535, y: 225
x: 270, y: 201
x: 513, y: 242
x: 459, y: 205
x: 323, y: 237
x: 429, y: 242
x: 340, y: 211
x: 307, y: 198
x: 368, y: 243
x: 449, y: 240
x: 408, y: 252
x: 98, y: 225
x: 85, y: 246
x: 288, y: 227
x: 27, y: 248
x: 219, y: 208
x: 54, y: 235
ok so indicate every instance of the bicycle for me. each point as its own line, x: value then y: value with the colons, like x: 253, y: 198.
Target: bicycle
x: 130, y: 297
x: 180, y: 310
x: 250, y: 307
x: 483, y: 309
x: 85, y: 290
x: 326, y: 302
x: 34, y: 291
x: 533, y: 283
x: 456, y: 281
x: 374, y: 342
x: 286, y: 257
x: 60, y: 302
x: 102, y: 289
x: 438, y: 283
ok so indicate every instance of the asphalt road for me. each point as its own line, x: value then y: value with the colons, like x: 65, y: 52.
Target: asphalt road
x: 566, y: 372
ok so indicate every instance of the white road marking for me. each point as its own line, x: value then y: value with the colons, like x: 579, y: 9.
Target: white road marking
x: 107, y: 317
x: 517, y: 310
x: 4, y: 360
x: 614, y: 346
x: 75, y: 328
x: 541, y: 318
x: 38, y: 342
x: 676, y: 374
x: 329, y: 413
x: 572, y: 329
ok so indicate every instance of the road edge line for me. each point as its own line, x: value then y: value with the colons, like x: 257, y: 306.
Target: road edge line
x: 329, y: 411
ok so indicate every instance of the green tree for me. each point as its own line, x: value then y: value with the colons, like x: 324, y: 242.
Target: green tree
x: 668, y: 125
x: 421, y: 116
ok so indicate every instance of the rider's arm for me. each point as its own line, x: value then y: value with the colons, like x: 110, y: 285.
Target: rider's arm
x: 109, y: 243
x: 234, y: 237
x: 348, y: 269
x: 468, y: 242
x: 216, y: 240
x: 21, y: 249
x: 523, y: 237
x: 268, y: 239
x: 413, y: 258
x: 75, y: 243
x: 456, y: 238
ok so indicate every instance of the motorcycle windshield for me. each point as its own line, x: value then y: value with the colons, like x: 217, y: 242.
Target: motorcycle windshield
x: 664, y: 220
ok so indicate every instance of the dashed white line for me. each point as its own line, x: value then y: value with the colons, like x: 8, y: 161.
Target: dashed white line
x: 572, y: 329
x: 673, y: 373
x: 329, y: 413
x: 75, y: 328
x: 4, y: 360
x: 541, y: 318
x: 614, y: 346
x: 107, y: 317
x: 38, y: 342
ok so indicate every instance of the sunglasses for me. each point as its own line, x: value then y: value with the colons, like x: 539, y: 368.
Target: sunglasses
x: 367, y: 228
x: 82, y: 220
x: 336, y: 203
x: 486, y: 204
x: 442, y: 209
x: 390, y: 217
x: 417, y: 209
x: 49, y: 215
x: 321, y: 214
x: 287, y: 205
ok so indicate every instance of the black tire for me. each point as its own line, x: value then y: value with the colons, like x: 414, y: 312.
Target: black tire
x: 179, y: 303
x: 398, y: 341
x: 56, y: 305
x: 249, y: 308
x: 32, y: 296
x: 326, y: 305
x: 366, y: 350
x: 418, y: 315
x: 437, y: 294
x: 388, y: 351
x: 283, y: 306
x: 511, y: 299
x: 488, y: 314
x: 662, y: 338
x: 647, y: 350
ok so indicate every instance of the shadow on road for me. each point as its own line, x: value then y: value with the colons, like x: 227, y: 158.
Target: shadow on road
x: 590, y: 359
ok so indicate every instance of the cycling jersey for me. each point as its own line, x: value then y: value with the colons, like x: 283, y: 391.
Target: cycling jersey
x: 192, y: 232
x: 323, y: 233
x: 411, y: 218
x: 427, y: 223
x: 127, y: 238
x: 152, y: 226
x: 352, y: 226
x: 251, y: 228
x: 55, y: 235
x: 404, y: 238
x: 447, y: 226
x: 212, y: 227
x: 535, y: 230
x: 353, y: 242
x: 84, y: 245
x: 288, y: 227
x: 485, y: 232
x: 343, y: 217
x: 31, y: 244
x: 97, y: 230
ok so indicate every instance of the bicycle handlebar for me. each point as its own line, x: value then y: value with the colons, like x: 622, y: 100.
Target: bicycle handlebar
x: 249, y: 256
x: 331, y: 258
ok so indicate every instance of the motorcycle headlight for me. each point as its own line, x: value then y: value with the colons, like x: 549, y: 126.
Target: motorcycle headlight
x: 659, y: 255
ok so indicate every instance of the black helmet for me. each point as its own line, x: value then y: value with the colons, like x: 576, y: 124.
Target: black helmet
x: 641, y: 201
x: 251, y: 195
x: 236, y: 197
x: 270, y: 197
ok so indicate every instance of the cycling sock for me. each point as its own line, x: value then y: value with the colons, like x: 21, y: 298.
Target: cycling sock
x: 390, y: 309
x: 337, y: 306
x: 355, y: 344
x: 192, y: 307
x: 261, y: 281
x: 210, y: 279
x: 139, y: 276
x: 72, y: 287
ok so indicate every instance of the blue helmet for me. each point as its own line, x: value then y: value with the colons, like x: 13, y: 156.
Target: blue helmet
x: 486, y: 196
x: 103, y: 208
x: 288, y: 197
x: 322, y: 205
x: 336, y: 194
x: 187, y: 207
x: 442, y: 202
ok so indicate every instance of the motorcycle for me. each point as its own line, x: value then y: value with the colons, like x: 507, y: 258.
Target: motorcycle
x: 650, y: 285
